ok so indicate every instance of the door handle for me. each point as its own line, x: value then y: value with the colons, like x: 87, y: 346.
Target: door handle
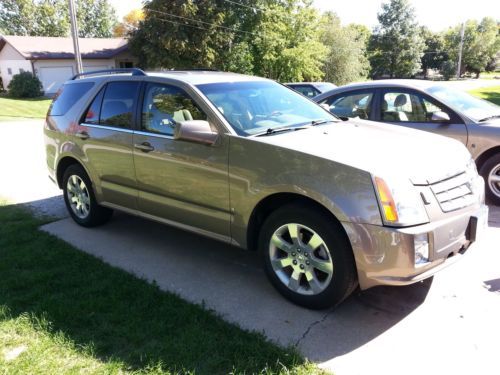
x: 144, y: 146
x: 82, y: 135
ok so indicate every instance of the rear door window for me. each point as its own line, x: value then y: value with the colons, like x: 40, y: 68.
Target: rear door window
x: 357, y: 104
x: 118, y: 104
x: 67, y: 96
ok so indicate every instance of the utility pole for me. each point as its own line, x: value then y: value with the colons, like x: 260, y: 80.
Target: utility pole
x: 459, y: 68
x: 74, y: 35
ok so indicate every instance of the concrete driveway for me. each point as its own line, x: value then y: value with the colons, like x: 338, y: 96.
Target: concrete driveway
x: 450, y: 325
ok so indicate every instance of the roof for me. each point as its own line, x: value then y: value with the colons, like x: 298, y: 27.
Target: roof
x: 418, y: 84
x: 41, y: 47
x: 199, y: 77
x: 192, y: 77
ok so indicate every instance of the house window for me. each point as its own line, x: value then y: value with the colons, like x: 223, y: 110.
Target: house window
x: 126, y: 64
x: 21, y: 70
x: 9, y: 71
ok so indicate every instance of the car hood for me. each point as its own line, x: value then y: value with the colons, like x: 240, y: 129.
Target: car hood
x: 380, y: 149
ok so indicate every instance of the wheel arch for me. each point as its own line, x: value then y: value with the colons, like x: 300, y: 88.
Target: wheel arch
x: 486, y: 155
x: 274, y: 201
x: 63, y: 164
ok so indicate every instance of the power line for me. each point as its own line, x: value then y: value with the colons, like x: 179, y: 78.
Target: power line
x: 203, y: 22
x: 245, y: 6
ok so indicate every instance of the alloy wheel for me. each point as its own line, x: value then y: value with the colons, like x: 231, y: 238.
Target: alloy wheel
x: 78, y: 196
x: 301, y: 259
x: 494, y: 180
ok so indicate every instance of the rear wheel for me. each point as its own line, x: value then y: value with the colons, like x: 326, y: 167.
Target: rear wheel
x: 307, y: 257
x: 490, y: 171
x: 80, y: 199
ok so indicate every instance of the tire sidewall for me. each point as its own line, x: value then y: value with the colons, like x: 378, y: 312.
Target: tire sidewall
x: 484, y: 171
x: 338, y: 247
x: 80, y: 172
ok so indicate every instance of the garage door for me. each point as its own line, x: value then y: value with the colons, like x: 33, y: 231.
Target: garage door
x: 94, y: 68
x: 53, y: 77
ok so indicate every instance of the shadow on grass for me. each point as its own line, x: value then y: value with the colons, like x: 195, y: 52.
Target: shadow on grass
x: 492, y: 96
x: 119, y: 316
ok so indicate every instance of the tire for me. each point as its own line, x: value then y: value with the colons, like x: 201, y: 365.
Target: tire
x: 80, y: 198
x: 490, y: 171
x: 317, y: 287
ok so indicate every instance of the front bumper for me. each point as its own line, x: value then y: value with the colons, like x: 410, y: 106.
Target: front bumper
x: 386, y: 256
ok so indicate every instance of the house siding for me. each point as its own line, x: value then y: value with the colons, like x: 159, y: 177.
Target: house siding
x: 12, y: 60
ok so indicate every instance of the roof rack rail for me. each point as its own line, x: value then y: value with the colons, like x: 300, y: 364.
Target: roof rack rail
x: 134, y: 71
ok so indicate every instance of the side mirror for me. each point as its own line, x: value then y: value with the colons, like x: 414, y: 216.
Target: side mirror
x: 198, y: 131
x: 440, y: 117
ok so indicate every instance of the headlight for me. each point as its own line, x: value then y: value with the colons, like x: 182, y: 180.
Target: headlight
x: 399, y: 202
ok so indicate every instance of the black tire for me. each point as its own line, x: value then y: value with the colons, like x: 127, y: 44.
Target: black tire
x: 97, y: 214
x: 488, y: 166
x: 344, y: 277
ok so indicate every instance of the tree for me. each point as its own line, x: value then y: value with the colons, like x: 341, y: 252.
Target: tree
x: 52, y: 18
x: 17, y: 17
x: 435, y: 53
x: 287, y: 46
x: 396, y: 46
x: 129, y: 24
x: 180, y: 34
x: 96, y: 19
x: 346, y: 60
x: 480, y: 46
x: 272, y: 38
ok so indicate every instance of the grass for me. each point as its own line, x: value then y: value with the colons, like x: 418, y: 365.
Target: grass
x: 11, y: 109
x: 489, y: 75
x: 489, y: 93
x: 64, y: 311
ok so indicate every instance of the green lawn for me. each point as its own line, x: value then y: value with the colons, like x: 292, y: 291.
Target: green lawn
x: 489, y: 75
x: 11, y: 109
x: 489, y: 93
x: 63, y: 311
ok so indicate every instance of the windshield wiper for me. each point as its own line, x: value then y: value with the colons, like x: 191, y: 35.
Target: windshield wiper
x: 278, y: 130
x: 321, y: 122
x: 489, y: 118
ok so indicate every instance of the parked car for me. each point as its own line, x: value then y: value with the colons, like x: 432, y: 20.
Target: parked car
x: 250, y: 162
x: 311, y: 89
x: 429, y: 106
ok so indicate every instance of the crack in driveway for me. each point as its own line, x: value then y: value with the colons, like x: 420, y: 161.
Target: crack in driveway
x: 312, y: 325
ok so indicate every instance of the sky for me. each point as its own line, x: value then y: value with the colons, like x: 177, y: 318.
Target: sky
x: 435, y: 14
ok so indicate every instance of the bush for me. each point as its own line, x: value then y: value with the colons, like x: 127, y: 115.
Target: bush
x: 448, y: 69
x: 25, y: 85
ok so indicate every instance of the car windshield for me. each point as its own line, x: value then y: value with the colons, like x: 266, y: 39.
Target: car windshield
x: 476, y: 109
x: 254, y: 107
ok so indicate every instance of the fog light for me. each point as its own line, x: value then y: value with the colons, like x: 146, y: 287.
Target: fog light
x: 421, y: 244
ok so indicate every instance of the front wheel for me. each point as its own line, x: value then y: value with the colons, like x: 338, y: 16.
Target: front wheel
x: 490, y: 171
x: 307, y: 257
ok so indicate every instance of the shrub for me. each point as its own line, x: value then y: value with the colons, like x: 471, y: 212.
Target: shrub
x: 448, y: 69
x: 25, y: 85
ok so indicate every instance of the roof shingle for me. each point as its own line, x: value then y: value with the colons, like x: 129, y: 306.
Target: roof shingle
x: 41, y: 47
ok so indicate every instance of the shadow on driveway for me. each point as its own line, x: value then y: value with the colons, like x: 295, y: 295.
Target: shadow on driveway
x: 231, y: 282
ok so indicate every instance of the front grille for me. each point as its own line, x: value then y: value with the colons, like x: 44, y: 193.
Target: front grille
x: 454, y: 192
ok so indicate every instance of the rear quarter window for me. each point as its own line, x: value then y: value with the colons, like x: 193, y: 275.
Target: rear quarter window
x: 67, y: 96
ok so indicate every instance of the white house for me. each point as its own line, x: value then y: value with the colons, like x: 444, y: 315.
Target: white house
x: 52, y: 59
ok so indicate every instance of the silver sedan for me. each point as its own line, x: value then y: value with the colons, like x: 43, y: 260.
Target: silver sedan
x: 429, y: 106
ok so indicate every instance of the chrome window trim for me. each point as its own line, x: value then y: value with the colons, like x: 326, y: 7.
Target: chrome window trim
x: 157, y: 135
x: 107, y: 127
